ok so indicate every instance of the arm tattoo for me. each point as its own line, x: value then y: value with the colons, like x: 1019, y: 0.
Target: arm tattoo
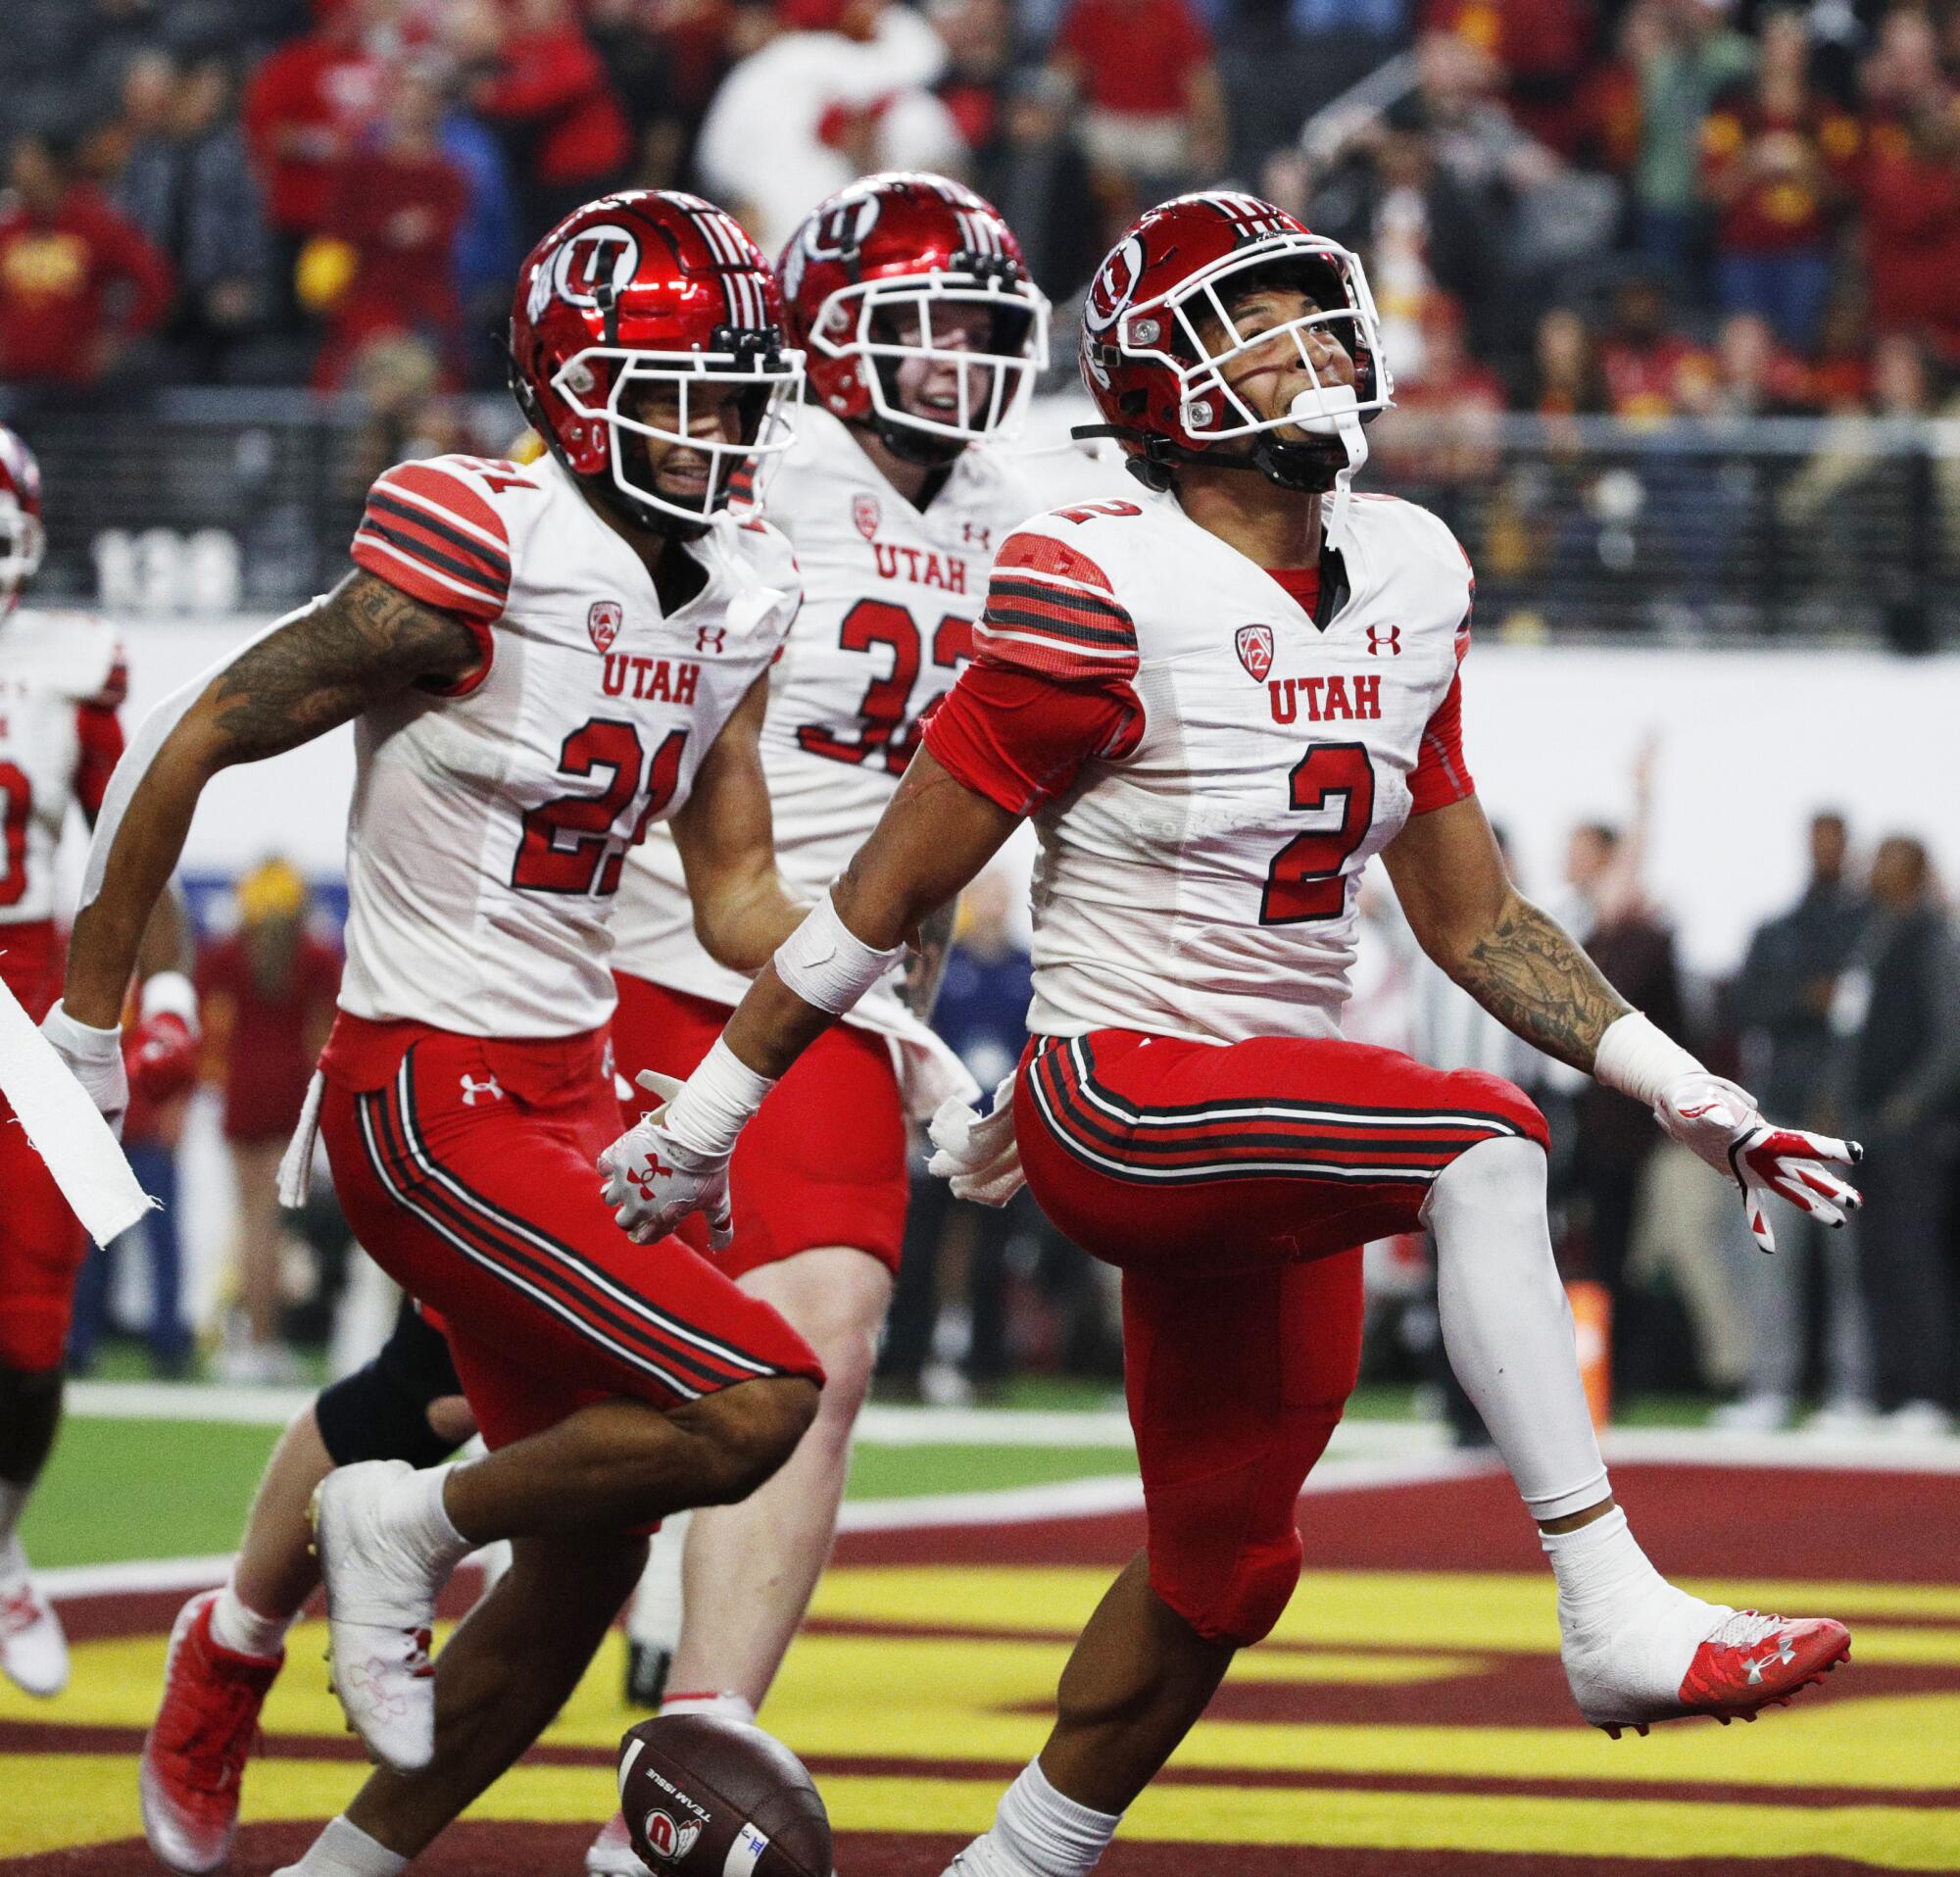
x: 1530, y: 975
x: 924, y: 968
x: 362, y: 643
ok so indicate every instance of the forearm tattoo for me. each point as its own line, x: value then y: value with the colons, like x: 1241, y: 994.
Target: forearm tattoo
x: 1530, y: 975
x: 362, y: 643
x: 924, y: 968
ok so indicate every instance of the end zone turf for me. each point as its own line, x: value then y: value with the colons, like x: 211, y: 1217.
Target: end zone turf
x: 1408, y: 1718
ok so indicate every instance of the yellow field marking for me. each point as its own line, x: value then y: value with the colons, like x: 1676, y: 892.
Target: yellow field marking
x: 90, y: 1799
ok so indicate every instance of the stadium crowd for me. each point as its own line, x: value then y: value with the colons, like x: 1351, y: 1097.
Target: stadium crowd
x: 1718, y: 206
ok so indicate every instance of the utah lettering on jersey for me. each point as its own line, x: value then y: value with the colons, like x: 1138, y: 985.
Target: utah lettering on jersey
x: 651, y: 680
x: 1327, y: 700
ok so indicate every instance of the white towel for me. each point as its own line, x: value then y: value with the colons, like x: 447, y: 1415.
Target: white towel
x: 66, y: 1128
x: 978, y: 1153
x: 296, y: 1162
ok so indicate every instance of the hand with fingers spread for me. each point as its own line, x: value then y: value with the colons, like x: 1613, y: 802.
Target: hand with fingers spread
x: 1723, y: 1125
x: 654, y: 1180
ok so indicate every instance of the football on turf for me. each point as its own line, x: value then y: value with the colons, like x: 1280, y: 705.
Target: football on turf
x: 711, y: 1798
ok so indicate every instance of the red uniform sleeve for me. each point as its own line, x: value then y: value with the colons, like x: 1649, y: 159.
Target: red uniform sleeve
x: 428, y: 534
x: 1442, y: 775
x: 1049, y: 689
x: 99, y: 741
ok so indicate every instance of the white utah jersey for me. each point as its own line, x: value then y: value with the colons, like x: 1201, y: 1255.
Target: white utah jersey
x: 1200, y: 878
x: 61, y: 679
x: 890, y: 597
x: 490, y: 827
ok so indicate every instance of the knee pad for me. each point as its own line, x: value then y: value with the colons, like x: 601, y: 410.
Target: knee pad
x: 381, y: 1410
x: 1225, y: 1549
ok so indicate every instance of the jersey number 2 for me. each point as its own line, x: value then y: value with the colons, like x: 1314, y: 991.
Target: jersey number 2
x: 568, y: 844
x: 17, y: 807
x: 1304, y: 880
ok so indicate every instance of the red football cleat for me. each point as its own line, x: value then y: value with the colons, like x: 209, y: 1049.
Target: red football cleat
x: 1747, y: 1662
x: 194, y: 1756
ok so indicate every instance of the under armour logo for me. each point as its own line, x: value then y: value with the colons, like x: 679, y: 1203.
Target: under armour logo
x: 710, y: 638
x: 472, y: 1090
x: 1783, y: 1650
x: 1390, y: 638
x: 976, y: 535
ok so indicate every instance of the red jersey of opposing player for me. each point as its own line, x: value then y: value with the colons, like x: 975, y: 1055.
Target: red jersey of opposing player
x: 61, y: 679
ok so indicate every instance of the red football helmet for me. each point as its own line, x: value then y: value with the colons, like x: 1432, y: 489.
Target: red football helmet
x: 649, y: 287
x: 862, y: 278
x: 1156, y: 331
x: 22, y: 542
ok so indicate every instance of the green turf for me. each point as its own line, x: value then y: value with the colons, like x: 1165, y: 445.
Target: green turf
x: 124, y: 1488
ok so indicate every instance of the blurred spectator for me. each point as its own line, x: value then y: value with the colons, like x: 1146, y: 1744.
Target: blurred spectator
x: 187, y: 183
x: 399, y: 203
x: 1647, y: 366
x: 979, y: 38
x: 1543, y: 49
x: 1443, y: 428
x: 1896, y: 1072
x: 1687, y: 53
x: 538, y: 79
x: 1910, y: 185
x: 1037, y: 176
x: 1153, y: 108
x: 1747, y: 374
x: 1775, y: 162
x: 488, y: 243
x: 78, y: 282
x: 1566, y: 379
x: 1634, y: 953
x: 838, y: 91
x: 303, y: 110
x: 268, y: 999
x: 1783, y: 999
x: 1420, y: 231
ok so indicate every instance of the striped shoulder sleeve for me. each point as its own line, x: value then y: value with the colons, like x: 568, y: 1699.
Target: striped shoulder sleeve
x: 1052, y: 610
x: 430, y: 533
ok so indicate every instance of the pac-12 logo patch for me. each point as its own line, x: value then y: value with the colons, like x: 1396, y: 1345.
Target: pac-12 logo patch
x: 865, y: 514
x: 1255, y: 645
x: 602, y: 622
x: 667, y: 1841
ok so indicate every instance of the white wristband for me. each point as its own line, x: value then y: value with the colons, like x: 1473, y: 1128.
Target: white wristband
x: 715, y: 1102
x: 827, y: 964
x: 81, y: 1042
x: 1639, y: 1059
x: 170, y: 994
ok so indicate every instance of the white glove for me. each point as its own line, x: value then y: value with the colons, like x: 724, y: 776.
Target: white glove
x: 654, y: 1181
x: 1723, y: 1125
x: 94, y: 1058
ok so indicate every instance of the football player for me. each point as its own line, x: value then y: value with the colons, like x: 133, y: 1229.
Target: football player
x: 924, y: 333
x: 61, y: 681
x: 539, y: 660
x: 1217, y: 700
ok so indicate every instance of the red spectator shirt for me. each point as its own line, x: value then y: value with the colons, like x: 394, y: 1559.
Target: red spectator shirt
x: 553, y: 84
x: 1786, y: 211
x: 261, y: 1047
x: 1135, y: 55
x: 400, y: 215
x: 327, y: 92
x: 1911, y: 203
x: 56, y: 281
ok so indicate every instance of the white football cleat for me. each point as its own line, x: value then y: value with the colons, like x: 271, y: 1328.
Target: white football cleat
x: 380, y: 1606
x: 612, y: 1854
x: 1674, y: 1657
x: 33, y: 1651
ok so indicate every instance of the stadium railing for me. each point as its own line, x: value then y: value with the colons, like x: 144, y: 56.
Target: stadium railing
x: 1787, y: 529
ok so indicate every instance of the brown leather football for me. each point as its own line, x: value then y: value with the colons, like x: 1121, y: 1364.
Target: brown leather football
x: 711, y: 1798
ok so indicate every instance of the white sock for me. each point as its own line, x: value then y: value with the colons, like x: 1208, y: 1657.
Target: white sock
x: 1052, y: 1836
x: 1625, y: 1630
x: 13, y: 1503
x: 344, y: 1850
x: 723, y: 1706
x: 424, y: 1528
x: 654, y: 1616
x: 235, y: 1625
x: 1508, y: 1326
